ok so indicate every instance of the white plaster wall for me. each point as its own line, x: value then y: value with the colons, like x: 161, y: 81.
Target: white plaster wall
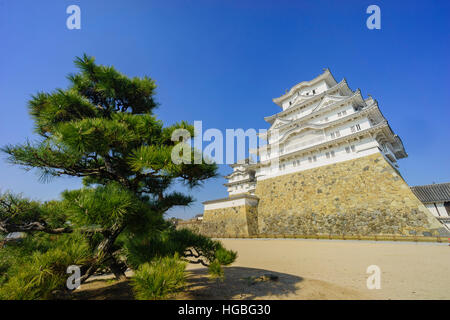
x: 441, y: 208
x: 314, y: 137
x: 241, y: 188
x: 333, y: 115
x: 440, y: 212
x: 230, y: 203
x: 363, y: 147
x: 345, y: 129
x: 432, y: 208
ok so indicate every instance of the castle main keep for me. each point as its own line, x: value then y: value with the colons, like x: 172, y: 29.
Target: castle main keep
x: 329, y: 167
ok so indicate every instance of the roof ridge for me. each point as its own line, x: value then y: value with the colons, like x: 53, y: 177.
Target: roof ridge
x: 431, y: 185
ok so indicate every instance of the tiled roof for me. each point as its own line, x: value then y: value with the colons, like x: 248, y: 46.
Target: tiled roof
x: 432, y: 192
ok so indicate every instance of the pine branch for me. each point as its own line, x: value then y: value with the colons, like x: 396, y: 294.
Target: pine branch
x: 9, y: 227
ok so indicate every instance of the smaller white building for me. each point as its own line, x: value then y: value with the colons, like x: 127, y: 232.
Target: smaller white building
x: 436, y: 197
x: 242, y: 179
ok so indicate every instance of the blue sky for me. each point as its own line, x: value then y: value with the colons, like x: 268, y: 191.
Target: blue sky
x: 222, y: 62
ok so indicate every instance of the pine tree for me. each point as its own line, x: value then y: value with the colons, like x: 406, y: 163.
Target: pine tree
x: 102, y: 129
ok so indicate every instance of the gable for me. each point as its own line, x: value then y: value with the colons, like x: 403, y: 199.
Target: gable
x: 298, y: 98
x: 301, y: 137
x: 326, y: 101
x: 300, y: 131
x: 278, y: 123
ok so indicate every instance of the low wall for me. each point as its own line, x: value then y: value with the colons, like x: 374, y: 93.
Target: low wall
x: 231, y: 217
x: 231, y: 221
x: 438, y: 239
x: 193, y: 225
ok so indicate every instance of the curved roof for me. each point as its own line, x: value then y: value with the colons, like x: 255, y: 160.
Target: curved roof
x: 326, y: 75
x: 355, y: 95
x: 341, y: 84
x: 432, y: 192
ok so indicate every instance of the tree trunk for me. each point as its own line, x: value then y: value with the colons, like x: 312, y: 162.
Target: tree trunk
x: 118, y: 269
x: 104, y: 253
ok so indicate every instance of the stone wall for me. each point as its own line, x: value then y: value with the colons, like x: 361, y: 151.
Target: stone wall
x: 365, y: 196
x: 232, y: 221
x: 193, y: 225
x: 237, y: 221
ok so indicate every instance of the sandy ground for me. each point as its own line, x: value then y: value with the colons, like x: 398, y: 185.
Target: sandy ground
x: 323, y: 269
x: 311, y: 269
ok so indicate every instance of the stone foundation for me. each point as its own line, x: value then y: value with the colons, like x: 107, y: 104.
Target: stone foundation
x: 365, y: 196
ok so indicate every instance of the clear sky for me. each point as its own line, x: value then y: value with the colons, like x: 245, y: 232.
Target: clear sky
x: 223, y: 62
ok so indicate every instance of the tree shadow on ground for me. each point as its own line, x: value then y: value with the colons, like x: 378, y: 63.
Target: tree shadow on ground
x: 104, y: 289
x: 240, y: 283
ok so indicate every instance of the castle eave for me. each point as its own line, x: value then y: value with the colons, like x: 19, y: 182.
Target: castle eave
x: 325, y: 144
x: 342, y: 84
x: 236, y: 197
x: 229, y: 184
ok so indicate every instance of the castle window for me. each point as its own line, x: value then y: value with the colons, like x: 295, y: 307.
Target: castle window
x: 353, y: 148
x: 339, y: 114
x: 347, y: 149
x: 344, y: 112
x: 358, y: 127
x: 314, y: 91
x: 314, y: 158
x: 332, y: 153
x: 328, y: 155
x: 310, y: 159
x: 352, y: 128
x: 335, y: 134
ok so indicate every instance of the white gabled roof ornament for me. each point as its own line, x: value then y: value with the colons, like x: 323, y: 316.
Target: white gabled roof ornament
x: 326, y: 75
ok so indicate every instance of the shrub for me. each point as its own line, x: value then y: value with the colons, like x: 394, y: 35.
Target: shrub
x: 168, y: 242
x: 215, y: 269
x: 159, y: 279
x: 43, y: 272
x: 225, y: 257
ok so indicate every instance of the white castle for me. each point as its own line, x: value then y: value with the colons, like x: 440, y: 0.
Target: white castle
x: 329, y: 167
x: 322, y: 122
